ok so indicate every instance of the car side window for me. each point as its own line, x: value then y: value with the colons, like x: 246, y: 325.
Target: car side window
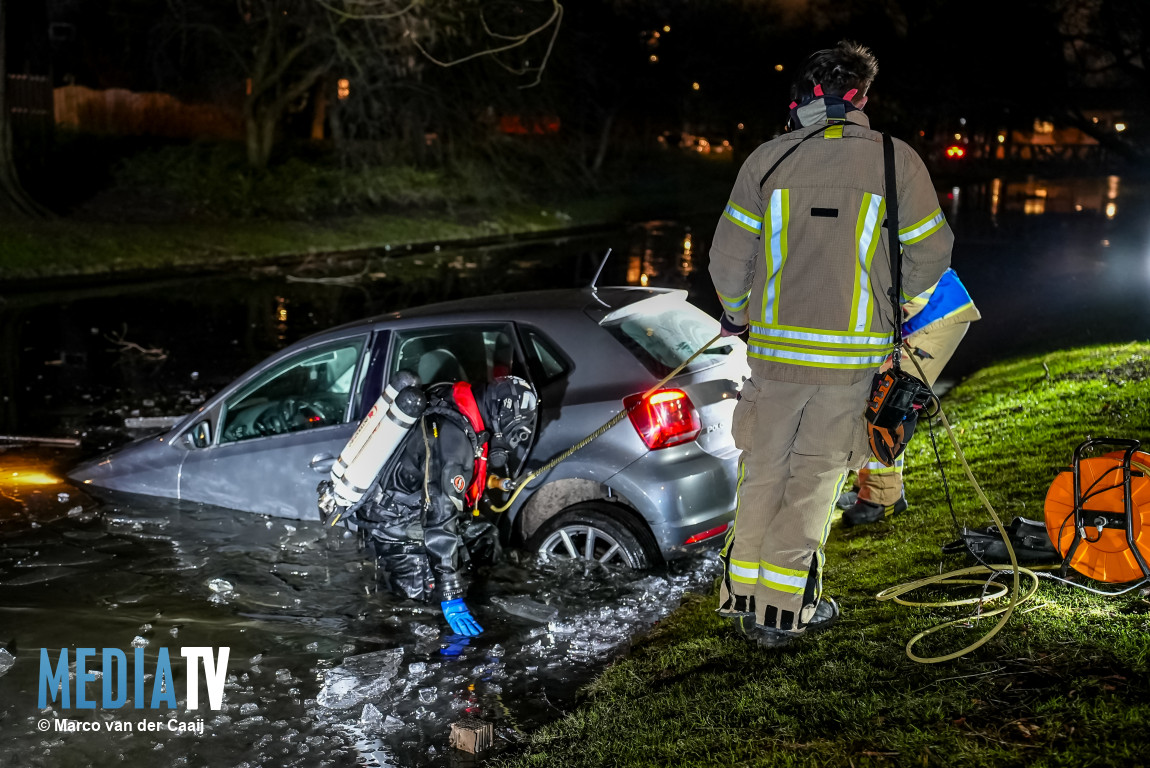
x: 546, y: 362
x: 472, y: 353
x: 308, y: 390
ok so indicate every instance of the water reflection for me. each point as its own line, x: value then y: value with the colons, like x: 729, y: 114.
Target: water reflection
x: 324, y: 669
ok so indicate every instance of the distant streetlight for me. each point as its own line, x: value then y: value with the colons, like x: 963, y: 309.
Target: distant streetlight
x: 740, y: 126
x: 343, y: 88
x: 1120, y: 127
x: 778, y: 67
x: 666, y: 29
x: 695, y: 87
x: 654, y: 59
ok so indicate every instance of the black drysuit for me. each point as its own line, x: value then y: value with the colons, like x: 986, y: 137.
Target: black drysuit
x: 415, y: 516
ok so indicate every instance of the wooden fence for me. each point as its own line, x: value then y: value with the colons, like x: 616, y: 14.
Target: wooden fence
x: 125, y: 113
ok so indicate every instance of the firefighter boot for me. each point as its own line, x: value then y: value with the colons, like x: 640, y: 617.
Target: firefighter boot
x: 863, y: 512
x: 847, y: 499
x: 826, y: 613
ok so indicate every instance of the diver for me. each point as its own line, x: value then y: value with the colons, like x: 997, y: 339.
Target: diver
x: 420, y: 514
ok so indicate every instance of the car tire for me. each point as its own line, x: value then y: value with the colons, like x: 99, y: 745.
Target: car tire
x: 614, y: 539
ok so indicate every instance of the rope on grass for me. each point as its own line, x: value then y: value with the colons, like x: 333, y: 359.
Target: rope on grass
x: 954, y: 578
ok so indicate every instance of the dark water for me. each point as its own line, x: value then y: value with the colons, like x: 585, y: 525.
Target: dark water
x: 295, y: 602
x: 310, y: 638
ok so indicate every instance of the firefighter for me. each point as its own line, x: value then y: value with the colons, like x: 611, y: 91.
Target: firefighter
x: 420, y: 515
x: 800, y: 260
x: 934, y: 323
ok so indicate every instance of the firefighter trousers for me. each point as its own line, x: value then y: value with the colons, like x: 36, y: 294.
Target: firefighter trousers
x: 932, y: 348
x: 798, y: 442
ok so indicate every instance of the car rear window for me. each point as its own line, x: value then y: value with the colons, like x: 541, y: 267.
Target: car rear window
x: 663, y: 331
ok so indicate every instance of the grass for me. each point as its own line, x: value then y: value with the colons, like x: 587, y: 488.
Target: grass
x: 197, y: 206
x: 1066, y: 684
x: 40, y: 249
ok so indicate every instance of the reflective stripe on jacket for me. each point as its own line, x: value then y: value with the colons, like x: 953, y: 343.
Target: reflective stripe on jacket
x: 804, y: 260
x: 945, y: 300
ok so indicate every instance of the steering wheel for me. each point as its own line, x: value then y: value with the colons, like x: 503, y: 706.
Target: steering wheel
x: 300, y: 414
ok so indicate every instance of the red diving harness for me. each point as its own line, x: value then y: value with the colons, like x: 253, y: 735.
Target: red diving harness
x: 465, y: 401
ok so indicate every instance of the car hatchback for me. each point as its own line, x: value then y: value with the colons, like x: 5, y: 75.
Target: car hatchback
x: 654, y: 486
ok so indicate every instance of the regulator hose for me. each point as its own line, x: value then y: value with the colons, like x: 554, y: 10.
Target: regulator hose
x: 522, y: 483
x: 955, y: 578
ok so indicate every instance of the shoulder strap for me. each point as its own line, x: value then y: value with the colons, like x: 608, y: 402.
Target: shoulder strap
x: 465, y: 401
x: 895, y: 245
x: 789, y: 152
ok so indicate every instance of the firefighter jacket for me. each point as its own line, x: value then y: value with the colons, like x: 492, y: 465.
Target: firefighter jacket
x: 802, y: 255
x: 415, y: 512
x: 947, y: 302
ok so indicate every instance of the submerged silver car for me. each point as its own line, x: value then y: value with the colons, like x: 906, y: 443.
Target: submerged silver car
x: 654, y: 486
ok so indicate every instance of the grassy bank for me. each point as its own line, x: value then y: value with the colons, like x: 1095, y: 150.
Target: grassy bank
x: 198, y: 206
x: 1064, y: 684
x: 64, y: 247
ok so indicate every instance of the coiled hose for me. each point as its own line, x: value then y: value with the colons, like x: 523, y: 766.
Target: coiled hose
x: 955, y: 578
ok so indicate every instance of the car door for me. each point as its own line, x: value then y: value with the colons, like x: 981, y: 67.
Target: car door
x: 273, y: 437
x: 473, y: 352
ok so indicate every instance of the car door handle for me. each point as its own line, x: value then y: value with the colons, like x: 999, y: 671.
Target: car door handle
x: 321, y: 463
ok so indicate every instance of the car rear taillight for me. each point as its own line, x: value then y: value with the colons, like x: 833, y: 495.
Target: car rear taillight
x: 666, y: 417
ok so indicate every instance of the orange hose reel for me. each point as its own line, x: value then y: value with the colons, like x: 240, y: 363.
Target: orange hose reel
x: 1098, y: 513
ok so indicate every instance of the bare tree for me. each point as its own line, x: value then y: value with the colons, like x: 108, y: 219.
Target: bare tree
x: 283, y: 49
x: 1107, y: 47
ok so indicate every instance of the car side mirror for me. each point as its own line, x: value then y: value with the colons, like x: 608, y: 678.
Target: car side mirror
x: 199, y: 436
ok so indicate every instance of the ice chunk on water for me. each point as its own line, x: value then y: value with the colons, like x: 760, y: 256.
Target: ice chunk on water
x: 138, y: 642
x: 425, y: 630
x: 249, y: 708
x: 220, y: 585
x: 417, y: 669
x: 371, y: 720
x: 283, y: 675
x: 525, y: 608
x: 359, y: 678
x: 62, y: 497
x: 6, y: 661
x: 427, y: 695
x: 221, y: 590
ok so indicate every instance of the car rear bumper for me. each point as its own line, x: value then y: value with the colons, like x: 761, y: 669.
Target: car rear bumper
x: 682, y: 492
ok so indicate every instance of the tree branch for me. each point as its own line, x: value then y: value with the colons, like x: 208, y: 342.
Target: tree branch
x: 367, y: 16
x: 517, y: 41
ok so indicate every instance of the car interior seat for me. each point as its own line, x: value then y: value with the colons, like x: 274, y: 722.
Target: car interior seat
x: 440, y: 365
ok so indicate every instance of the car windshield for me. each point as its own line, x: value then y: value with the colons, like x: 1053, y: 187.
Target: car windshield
x: 663, y: 331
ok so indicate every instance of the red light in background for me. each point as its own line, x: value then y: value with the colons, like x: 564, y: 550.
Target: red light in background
x: 955, y: 152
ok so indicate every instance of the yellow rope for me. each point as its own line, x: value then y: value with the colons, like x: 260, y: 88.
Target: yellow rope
x: 951, y: 578
x: 521, y: 484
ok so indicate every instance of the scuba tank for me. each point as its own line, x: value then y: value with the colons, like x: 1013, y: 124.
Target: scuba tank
x: 386, y: 433
x: 401, y: 380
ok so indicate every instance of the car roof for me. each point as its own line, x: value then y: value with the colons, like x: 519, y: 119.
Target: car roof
x: 596, y: 303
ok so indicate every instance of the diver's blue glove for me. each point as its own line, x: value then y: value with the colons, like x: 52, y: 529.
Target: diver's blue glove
x: 459, y: 618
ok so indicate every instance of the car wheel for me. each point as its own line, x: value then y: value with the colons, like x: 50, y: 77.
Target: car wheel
x: 594, y: 531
